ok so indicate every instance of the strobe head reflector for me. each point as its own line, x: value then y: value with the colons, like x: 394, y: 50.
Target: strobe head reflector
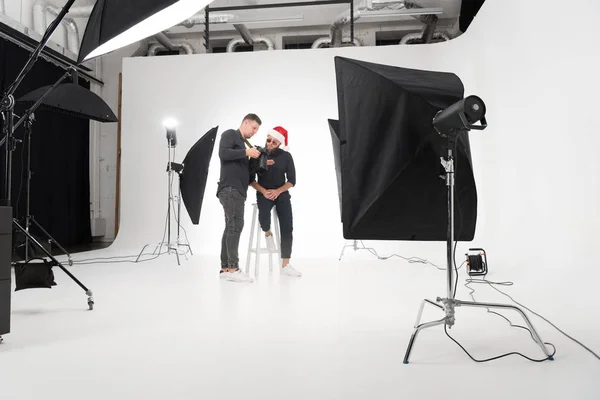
x: 461, y: 116
x: 171, y: 128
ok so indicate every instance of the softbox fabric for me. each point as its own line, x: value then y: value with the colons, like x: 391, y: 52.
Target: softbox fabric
x: 110, y: 18
x: 392, y: 179
x: 195, y: 173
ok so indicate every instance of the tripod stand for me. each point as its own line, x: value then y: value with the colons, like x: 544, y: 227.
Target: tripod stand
x: 29, y: 219
x: 450, y: 302
x: 354, y: 246
x: 7, y: 107
x: 172, y: 168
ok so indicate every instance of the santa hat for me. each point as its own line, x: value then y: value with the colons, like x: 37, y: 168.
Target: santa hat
x: 281, y: 134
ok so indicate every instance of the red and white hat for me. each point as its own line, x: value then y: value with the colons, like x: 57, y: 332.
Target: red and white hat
x: 281, y: 134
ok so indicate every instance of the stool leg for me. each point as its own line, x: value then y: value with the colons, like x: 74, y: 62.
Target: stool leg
x: 250, y: 241
x: 277, y: 237
x: 258, y: 232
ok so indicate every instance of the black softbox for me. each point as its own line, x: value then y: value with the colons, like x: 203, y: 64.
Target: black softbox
x: 195, y: 172
x: 392, y: 185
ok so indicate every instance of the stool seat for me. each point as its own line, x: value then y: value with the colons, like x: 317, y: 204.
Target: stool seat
x: 254, y: 244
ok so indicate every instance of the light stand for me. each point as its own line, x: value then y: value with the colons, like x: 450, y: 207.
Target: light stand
x: 7, y: 108
x: 172, y: 168
x: 29, y: 219
x: 28, y: 118
x: 450, y: 123
x: 354, y: 246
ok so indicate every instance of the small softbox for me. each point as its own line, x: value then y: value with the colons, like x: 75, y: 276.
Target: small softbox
x: 392, y: 185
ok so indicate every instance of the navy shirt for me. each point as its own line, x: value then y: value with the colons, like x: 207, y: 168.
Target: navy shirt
x: 234, y: 162
x: 282, y: 171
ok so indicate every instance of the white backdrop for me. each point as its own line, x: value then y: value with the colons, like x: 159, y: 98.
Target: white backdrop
x: 536, y: 165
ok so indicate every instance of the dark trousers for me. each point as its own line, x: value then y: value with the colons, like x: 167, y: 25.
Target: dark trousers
x: 283, y: 206
x: 233, y: 205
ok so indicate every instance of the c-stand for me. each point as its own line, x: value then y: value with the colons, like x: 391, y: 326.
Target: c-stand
x: 7, y: 104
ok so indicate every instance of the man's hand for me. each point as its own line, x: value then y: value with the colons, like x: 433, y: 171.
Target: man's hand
x: 270, y: 162
x: 272, y: 194
x: 252, y: 152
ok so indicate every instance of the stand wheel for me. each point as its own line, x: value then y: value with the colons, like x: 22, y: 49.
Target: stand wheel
x: 91, y: 304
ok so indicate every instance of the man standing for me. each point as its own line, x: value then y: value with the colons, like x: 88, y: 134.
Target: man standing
x: 232, y: 191
x: 272, y: 189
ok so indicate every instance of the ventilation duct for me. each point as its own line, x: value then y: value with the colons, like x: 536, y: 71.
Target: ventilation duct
x: 143, y: 49
x: 181, y: 46
x: 417, y: 38
x: 244, y: 33
x: 236, y: 42
x: 338, y: 25
x: 326, y: 42
x: 165, y: 42
x: 40, y: 22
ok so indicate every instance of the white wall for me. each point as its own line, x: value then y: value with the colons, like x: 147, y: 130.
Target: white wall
x: 535, y: 165
x: 293, y: 89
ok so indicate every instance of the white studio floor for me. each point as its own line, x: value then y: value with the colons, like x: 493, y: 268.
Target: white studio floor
x: 162, y: 331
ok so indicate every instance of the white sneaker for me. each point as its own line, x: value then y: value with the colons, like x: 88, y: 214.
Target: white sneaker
x: 223, y: 275
x: 270, y: 243
x: 239, y: 276
x: 290, y: 271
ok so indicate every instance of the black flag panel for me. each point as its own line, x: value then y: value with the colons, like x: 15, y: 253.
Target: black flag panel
x: 392, y: 185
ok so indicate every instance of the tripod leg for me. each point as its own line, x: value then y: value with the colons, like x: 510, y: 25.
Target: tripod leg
x: 342, y: 254
x: 536, y: 336
x: 419, y: 326
x: 420, y: 313
x: 56, y: 262
x: 53, y: 240
x: 416, y: 332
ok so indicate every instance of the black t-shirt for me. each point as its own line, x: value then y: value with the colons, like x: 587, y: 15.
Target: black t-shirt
x: 282, y: 171
x: 234, y: 162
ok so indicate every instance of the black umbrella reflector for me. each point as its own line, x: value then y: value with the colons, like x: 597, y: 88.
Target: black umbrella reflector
x: 71, y: 99
x: 392, y: 180
x: 195, y: 172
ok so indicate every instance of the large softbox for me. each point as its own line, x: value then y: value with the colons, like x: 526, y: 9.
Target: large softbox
x: 392, y: 180
x: 195, y: 172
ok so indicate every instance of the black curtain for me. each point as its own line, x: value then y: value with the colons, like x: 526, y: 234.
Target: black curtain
x: 60, y: 184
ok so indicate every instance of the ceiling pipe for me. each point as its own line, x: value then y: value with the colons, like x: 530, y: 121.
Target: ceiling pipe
x: 416, y: 38
x: 143, y: 49
x: 2, y: 7
x: 166, y: 42
x: 244, y: 33
x: 179, y: 46
x: 40, y: 23
x: 326, y: 41
x: 338, y: 25
x: 236, y: 42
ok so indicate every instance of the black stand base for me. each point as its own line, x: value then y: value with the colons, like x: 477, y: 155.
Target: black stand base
x: 90, y: 299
